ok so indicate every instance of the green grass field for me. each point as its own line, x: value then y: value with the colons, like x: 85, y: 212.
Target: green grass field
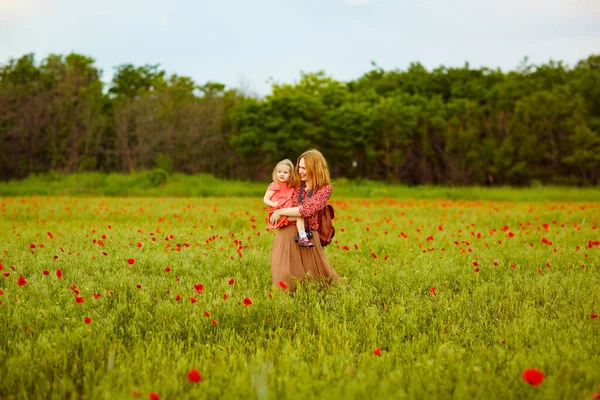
x: 459, y: 296
x: 157, y: 183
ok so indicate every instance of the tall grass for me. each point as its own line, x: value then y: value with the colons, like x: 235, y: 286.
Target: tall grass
x: 159, y: 183
x: 471, y: 339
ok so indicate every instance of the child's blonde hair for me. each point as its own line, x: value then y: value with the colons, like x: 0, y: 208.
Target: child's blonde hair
x: 288, y: 163
x: 317, y: 170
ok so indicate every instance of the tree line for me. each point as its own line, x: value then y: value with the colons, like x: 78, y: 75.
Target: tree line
x: 451, y: 126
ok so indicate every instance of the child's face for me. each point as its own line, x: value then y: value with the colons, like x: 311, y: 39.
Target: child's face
x: 283, y: 174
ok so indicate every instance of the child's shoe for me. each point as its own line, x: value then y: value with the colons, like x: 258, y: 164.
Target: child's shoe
x: 305, y: 242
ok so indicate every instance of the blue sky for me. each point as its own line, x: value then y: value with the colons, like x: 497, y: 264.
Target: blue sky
x: 244, y: 43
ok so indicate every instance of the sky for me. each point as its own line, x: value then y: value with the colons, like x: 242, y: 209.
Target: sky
x: 248, y: 44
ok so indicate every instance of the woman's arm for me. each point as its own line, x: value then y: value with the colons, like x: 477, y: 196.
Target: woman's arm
x: 267, y: 198
x: 308, y: 207
x: 316, y: 202
x: 288, y: 212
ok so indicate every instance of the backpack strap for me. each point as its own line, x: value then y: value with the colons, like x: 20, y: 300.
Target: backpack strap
x: 302, y: 186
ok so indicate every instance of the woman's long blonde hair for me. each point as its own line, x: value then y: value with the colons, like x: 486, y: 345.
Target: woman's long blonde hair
x: 317, y: 170
x: 293, y: 175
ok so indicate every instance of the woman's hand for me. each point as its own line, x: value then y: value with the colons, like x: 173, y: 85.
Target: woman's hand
x: 275, y: 217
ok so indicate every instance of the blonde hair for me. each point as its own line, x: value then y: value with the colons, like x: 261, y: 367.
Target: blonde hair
x: 317, y: 170
x: 288, y: 163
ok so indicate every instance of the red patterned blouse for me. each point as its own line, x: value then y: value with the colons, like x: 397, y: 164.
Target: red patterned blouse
x: 311, y: 205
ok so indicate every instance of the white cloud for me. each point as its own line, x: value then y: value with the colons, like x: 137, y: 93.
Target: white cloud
x: 6, y: 5
x: 163, y: 20
x: 18, y: 8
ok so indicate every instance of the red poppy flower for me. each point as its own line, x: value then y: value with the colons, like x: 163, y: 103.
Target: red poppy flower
x: 138, y: 286
x: 475, y: 263
x: 377, y: 351
x: 596, y: 396
x: 130, y: 261
x: 58, y: 273
x: 199, y: 287
x: 206, y: 314
x: 231, y: 281
x: 167, y: 269
x: 87, y: 320
x: 193, y: 300
x: 215, y: 322
x: 97, y: 295
x: 593, y: 315
x: 177, y: 297
x: 79, y: 299
x: 282, y: 285
x: 32, y: 246
x: 373, y: 255
x: 139, y: 244
x: 224, y: 296
x: 1, y: 292
x: 154, y: 396
x: 45, y: 272
x: 21, y: 281
x: 345, y: 248
x: 510, y: 234
x: 194, y: 375
x: 247, y: 301
x: 477, y: 269
x: 429, y: 238
x: 433, y: 290
x: 533, y: 376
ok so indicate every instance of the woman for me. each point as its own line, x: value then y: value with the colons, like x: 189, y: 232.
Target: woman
x: 288, y: 260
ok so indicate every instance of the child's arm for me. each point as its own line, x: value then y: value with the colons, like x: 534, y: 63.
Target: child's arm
x: 267, y: 199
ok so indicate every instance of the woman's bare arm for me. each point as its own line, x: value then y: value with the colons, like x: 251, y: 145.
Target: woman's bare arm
x: 288, y: 212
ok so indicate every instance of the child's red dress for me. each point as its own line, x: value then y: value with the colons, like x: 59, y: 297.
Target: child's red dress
x: 283, y: 196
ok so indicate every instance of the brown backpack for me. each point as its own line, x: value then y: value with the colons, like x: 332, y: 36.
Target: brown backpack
x: 326, y: 229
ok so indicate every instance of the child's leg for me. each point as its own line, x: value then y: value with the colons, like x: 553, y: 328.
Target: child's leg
x: 303, y: 240
x: 300, y: 226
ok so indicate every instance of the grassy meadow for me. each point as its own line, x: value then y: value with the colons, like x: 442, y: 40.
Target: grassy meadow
x: 159, y: 183
x: 121, y: 297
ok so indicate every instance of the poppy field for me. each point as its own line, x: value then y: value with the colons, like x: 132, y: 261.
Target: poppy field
x: 171, y: 298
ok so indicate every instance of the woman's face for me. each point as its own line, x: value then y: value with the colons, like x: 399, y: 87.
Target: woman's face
x: 302, y: 170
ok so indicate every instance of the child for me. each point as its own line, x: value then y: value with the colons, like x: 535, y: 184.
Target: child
x: 279, y: 195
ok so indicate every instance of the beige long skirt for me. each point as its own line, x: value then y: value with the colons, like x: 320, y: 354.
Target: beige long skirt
x: 290, y: 262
